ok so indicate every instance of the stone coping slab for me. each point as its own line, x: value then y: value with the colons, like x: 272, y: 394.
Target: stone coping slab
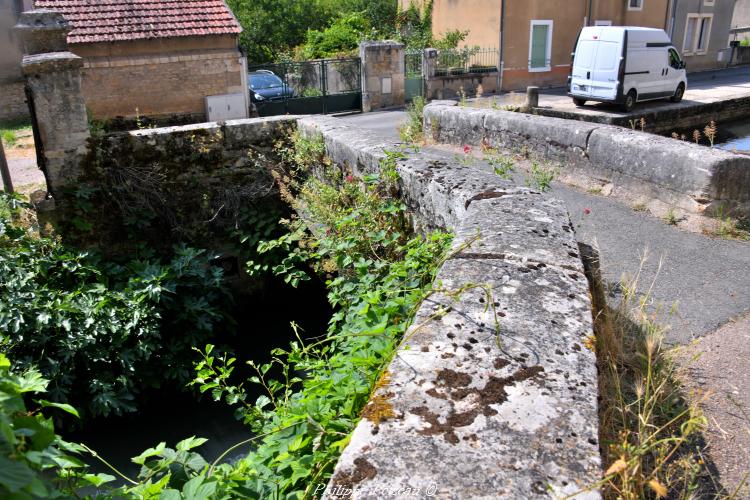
x: 694, y: 178
x: 493, y: 392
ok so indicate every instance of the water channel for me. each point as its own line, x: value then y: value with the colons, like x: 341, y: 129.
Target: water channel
x: 172, y: 414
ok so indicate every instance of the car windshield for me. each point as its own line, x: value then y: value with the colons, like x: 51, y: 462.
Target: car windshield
x: 265, y: 82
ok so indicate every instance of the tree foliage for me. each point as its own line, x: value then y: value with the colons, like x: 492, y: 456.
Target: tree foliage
x: 272, y: 29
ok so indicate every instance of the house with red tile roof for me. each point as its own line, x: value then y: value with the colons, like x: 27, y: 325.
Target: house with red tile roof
x: 155, y: 58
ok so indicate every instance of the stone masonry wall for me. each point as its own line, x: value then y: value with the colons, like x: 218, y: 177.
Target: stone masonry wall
x: 692, y: 177
x: 493, y: 393
x: 12, y: 98
x: 158, y: 85
x: 13, y: 102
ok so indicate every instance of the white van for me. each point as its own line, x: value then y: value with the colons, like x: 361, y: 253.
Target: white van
x: 625, y: 65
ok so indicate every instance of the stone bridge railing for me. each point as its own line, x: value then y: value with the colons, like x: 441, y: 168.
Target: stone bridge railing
x: 694, y: 178
x: 493, y: 392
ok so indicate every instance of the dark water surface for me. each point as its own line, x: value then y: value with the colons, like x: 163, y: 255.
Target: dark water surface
x: 172, y: 414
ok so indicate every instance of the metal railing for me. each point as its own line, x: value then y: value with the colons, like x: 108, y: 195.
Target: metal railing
x: 315, y: 78
x: 467, y: 60
x: 306, y: 87
x: 413, y: 63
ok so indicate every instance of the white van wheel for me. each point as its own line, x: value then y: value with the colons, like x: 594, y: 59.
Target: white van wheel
x: 630, y: 101
x: 578, y: 101
x: 678, y: 94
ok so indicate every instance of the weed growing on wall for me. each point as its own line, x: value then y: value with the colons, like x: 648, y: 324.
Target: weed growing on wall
x: 412, y: 131
x: 541, y: 176
x: 502, y: 165
x: 378, y: 274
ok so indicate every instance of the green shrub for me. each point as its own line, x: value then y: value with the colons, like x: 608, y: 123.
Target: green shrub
x: 102, y: 332
x: 9, y: 138
x: 34, y: 461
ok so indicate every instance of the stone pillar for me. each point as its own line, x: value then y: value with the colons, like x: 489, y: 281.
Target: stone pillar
x: 383, y: 75
x: 53, y: 79
x: 429, y: 63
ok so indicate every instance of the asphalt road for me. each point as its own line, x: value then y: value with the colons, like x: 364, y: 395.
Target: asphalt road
x: 706, y: 279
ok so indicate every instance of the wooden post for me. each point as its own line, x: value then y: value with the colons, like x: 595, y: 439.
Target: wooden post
x: 7, y: 182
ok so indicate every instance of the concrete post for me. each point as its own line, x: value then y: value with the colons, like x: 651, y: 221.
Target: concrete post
x: 532, y: 97
x: 53, y: 77
x: 383, y: 75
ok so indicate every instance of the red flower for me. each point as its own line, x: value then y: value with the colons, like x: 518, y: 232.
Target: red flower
x: 467, y: 150
x: 586, y: 211
x: 349, y: 178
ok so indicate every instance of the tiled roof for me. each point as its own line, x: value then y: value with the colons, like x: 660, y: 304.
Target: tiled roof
x: 123, y: 20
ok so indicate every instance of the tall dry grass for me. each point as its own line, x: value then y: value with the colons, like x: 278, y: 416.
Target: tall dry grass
x: 649, y: 430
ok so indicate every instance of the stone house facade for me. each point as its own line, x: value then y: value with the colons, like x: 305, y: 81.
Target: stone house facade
x: 536, y: 37
x: 156, y: 58
x: 700, y: 30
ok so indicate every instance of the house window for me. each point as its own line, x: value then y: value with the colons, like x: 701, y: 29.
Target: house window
x: 635, y: 4
x: 697, y: 34
x: 540, y: 46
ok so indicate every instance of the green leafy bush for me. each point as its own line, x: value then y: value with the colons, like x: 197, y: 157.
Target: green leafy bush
x: 102, y: 332
x: 340, y: 38
x: 314, y: 391
x: 34, y: 461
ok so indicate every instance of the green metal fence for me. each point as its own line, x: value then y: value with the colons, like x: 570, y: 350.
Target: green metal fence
x: 467, y: 60
x: 414, y: 78
x: 307, y: 87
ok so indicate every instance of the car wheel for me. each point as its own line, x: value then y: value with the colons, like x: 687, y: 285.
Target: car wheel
x: 578, y: 101
x: 678, y: 94
x: 630, y: 101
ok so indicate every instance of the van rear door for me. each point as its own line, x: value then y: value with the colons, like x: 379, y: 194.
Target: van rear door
x: 583, y: 67
x: 606, y: 69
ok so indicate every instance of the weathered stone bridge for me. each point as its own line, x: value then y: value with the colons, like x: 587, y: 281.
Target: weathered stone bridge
x: 493, y: 392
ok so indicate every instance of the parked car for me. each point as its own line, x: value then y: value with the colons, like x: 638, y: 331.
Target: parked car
x: 265, y: 86
x: 625, y: 65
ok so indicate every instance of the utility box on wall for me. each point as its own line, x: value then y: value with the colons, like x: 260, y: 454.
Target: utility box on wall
x: 224, y: 107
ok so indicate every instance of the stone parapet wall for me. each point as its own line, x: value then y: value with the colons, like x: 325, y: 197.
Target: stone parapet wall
x: 493, y: 393
x: 232, y: 138
x: 681, y: 174
x: 448, y: 87
x: 687, y: 115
